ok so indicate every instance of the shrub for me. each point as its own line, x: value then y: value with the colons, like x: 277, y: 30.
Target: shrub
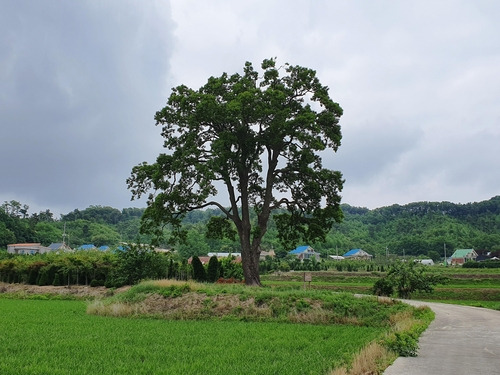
x: 405, y: 344
x: 213, y: 269
x: 95, y: 283
x: 383, y: 287
x: 199, y: 273
x: 486, y: 264
x: 405, y: 279
x: 57, y: 280
x: 175, y: 290
x: 44, y: 277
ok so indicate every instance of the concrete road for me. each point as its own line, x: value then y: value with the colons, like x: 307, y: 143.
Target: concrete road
x: 461, y: 340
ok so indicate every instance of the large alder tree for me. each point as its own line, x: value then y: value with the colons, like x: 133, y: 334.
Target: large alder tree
x: 258, y: 134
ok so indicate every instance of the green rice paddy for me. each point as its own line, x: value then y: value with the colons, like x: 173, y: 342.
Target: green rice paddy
x: 57, y: 337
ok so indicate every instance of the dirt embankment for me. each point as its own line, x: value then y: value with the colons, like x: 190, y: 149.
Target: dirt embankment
x: 78, y: 291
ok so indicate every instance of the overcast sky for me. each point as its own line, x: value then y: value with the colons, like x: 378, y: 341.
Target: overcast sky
x: 80, y: 82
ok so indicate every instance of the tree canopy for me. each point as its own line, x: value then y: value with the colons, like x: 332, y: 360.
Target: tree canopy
x: 261, y: 137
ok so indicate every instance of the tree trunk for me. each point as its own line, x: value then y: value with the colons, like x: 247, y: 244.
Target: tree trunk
x: 250, y: 261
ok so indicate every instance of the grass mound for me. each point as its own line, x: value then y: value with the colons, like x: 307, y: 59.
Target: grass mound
x: 192, y: 301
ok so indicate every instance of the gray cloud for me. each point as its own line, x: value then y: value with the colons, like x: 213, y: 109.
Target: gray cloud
x: 80, y: 82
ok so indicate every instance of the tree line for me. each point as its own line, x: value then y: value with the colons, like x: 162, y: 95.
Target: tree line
x: 111, y: 268
x: 416, y: 229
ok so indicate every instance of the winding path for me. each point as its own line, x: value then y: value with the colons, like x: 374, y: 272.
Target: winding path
x: 461, y: 340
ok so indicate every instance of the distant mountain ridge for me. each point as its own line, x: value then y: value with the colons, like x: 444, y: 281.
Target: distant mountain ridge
x: 416, y: 229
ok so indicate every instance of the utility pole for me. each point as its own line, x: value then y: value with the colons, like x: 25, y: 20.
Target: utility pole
x: 64, y: 235
x: 445, y: 260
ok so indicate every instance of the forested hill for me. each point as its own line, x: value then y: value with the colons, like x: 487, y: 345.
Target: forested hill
x: 418, y: 228
x: 421, y: 228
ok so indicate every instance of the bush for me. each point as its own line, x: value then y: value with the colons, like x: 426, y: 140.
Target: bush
x: 95, y: 283
x: 213, y: 269
x: 405, y: 279
x: 137, y: 263
x: 405, y: 344
x: 57, y: 280
x: 199, y: 273
x: 485, y: 264
x: 44, y: 277
x: 175, y: 290
x: 383, y: 287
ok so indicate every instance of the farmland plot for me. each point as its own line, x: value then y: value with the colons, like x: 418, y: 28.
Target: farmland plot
x: 57, y: 337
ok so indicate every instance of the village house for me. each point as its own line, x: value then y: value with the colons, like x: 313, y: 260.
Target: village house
x: 461, y: 256
x: 27, y: 248
x: 305, y: 252
x: 357, y: 254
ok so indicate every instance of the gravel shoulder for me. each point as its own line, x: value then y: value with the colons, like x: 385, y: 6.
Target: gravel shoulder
x: 460, y: 340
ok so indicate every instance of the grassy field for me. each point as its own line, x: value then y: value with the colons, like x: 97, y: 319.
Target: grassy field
x: 221, y: 329
x: 465, y: 286
x: 58, y: 337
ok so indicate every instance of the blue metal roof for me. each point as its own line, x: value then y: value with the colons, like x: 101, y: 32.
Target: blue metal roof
x: 352, y: 252
x: 55, y: 245
x: 103, y: 247
x: 299, y: 249
x: 86, y: 247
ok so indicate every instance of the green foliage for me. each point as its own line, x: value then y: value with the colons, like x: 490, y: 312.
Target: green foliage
x: 95, y: 283
x: 486, y: 264
x: 406, y: 278
x: 473, y: 225
x: 57, y: 279
x: 174, y: 290
x: 96, y: 214
x: 229, y: 269
x: 6, y: 235
x: 213, y: 269
x: 219, y: 228
x: 47, y: 232
x: 434, y: 255
x: 404, y: 344
x: 383, y: 287
x: 199, y: 273
x: 194, y: 243
x: 138, y: 263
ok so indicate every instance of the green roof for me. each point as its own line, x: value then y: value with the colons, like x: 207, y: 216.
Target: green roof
x: 461, y: 253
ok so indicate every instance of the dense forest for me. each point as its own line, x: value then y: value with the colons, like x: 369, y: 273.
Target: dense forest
x: 415, y: 229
